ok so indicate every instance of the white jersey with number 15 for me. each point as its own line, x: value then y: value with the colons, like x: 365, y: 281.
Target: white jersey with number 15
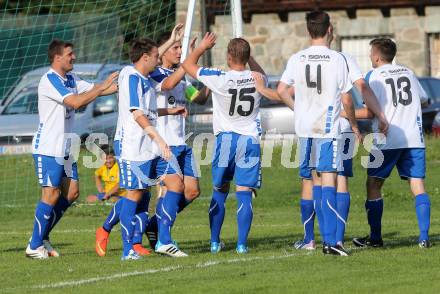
x: 235, y: 101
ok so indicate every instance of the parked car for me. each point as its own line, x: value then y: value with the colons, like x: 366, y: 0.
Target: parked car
x: 432, y: 108
x: 436, y: 125
x: 19, y: 118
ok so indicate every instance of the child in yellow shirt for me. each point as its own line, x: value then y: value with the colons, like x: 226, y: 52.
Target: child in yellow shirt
x: 107, y: 176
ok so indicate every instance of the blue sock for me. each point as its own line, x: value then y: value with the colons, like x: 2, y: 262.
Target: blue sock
x: 328, y: 212
x: 317, y: 199
x: 141, y: 218
x: 374, y: 214
x: 308, y: 219
x: 127, y: 217
x: 57, y: 213
x: 152, y: 225
x: 183, y: 203
x: 41, y: 224
x: 170, y: 205
x: 217, y: 214
x: 423, y: 211
x: 113, y: 217
x: 342, y: 207
x: 244, y: 215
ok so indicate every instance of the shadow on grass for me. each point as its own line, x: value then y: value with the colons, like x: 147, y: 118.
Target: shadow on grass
x: 270, y: 242
x: 19, y: 249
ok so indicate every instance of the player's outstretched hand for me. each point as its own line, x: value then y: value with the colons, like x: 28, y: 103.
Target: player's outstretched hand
x: 192, y: 45
x: 259, y: 80
x: 177, y: 33
x: 110, y: 81
x: 208, y: 41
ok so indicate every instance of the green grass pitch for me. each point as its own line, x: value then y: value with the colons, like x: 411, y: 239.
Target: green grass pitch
x: 271, y: 266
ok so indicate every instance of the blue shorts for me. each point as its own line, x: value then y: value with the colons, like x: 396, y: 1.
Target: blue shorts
x: 347, y: 141
x: 117, y: 148
x: 136, y: 175
x: 51, y: 170
x: 305, y: 149
x: 410, y: 163
x: 325, y: 155
x: 183, y: 162
x: 236, y: 156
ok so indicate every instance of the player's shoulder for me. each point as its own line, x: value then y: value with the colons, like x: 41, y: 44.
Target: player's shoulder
x: 100, y: 170
x: 211, y: 71
x: 126, y: 71
x: 50, y: 80
x: 160, y: 73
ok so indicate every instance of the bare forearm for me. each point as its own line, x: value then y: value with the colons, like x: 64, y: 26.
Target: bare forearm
x: 363, y: 113
x: 171, y: 81
x: 98, y: 184
x: 254, y: 66
x: 190, y: 64
x: 349, y: 110
x: 370, y: 99
x: 77, y: 101
x: 145, y: 124
x: 270, y: 94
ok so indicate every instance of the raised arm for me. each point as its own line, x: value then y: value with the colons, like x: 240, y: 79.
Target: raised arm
x: 254, y: 66
x: 176, y: 35
x: 190, y: 64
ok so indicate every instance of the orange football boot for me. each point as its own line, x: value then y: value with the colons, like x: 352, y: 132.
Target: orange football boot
x: 141, y: 250
x: 101, y: 241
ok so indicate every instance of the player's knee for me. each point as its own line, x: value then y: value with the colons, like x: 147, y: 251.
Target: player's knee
x: 192, y: 193
x: 417, y: 186
x: 73, y: 195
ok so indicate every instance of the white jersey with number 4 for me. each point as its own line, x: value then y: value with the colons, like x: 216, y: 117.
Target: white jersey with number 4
x: 235, y: 101
x: 136, y: 93
x: 320, y: 77
x: 399, y: 93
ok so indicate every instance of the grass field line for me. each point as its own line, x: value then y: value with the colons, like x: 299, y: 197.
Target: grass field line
x: 70, y: 231
x: 202, y: 265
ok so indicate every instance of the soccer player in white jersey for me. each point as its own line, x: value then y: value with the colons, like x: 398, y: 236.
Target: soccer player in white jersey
x: 311, y: 195
x: 142, y: 221
x: 320, y: 78
x: 400, y: 95
x: 236, y: 127
x: 60, y: 92
x: 141, y: 145
x: 174, y: 91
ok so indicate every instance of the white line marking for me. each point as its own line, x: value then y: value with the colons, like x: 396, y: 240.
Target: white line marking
x: 206, y: 264
x: 115, y: 229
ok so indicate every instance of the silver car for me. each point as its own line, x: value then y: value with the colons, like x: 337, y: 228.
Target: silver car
x: 19, y: 117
